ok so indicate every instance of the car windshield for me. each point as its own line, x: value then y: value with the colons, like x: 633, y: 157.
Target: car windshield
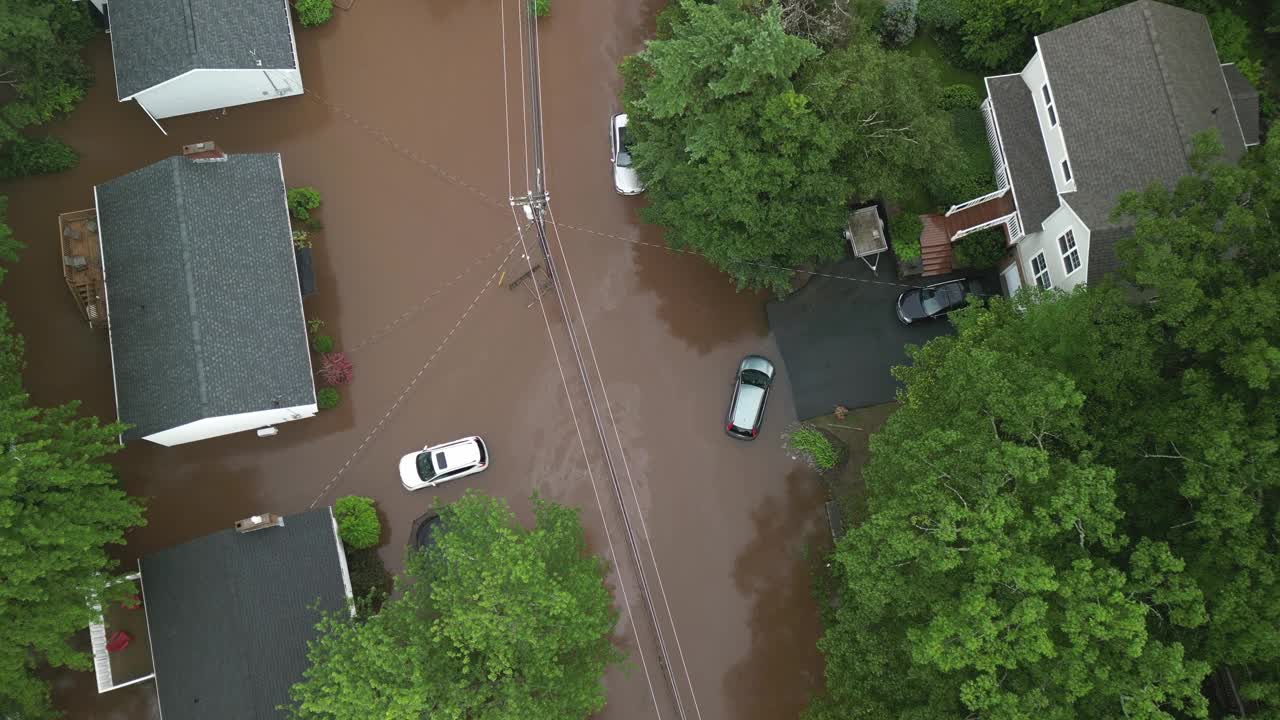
x: 755, y: 377
x: 425, y: 470
x: 624, y: 148
x: 931, y: 300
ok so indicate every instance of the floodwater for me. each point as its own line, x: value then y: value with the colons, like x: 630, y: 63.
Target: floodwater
x: 404, y: 130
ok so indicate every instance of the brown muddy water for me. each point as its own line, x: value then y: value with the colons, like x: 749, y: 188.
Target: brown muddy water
x: 404, y: 132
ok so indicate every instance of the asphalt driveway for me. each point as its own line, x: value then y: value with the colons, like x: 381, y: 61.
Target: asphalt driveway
x: 839, y: 336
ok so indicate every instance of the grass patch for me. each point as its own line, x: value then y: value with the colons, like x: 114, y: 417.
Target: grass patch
x: 855, y: 430
x: 925, y: 46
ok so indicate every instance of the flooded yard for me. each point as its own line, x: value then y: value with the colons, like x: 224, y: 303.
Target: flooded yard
x: 404, y: 131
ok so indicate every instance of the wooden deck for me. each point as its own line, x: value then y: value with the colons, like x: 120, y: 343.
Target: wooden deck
x: 979, y: 214
x: 82, y: 264
x: 935, y: 245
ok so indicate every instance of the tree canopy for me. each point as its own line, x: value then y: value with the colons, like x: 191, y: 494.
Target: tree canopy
x: 60, y: 506
x: 492, y: 621
x: 40, y: 66
x: 1074, y: 512
x: 752, y: 141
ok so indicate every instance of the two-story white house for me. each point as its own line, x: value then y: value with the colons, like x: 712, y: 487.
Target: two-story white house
x: 1106, y: 105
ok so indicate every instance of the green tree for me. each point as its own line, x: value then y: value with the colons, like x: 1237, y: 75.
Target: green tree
x: 737, y: 164
x: 751, y: 142
x: 991, y: 577
x: 40, y: 44
x: 60, y: 506
x: 494, y: 621
x: 1203, y: 456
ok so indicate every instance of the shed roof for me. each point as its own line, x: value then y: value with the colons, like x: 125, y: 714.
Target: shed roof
x: 230, y: 614
x: 202, y: 292
x: 156, y: 40
x: 1132, y: 87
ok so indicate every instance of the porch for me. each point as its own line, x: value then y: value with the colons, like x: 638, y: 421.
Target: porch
x: 82, y: 264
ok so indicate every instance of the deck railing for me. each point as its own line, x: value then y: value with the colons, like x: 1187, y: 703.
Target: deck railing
x: 997, y: 152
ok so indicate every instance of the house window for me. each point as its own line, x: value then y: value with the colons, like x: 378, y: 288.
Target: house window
x: 1066, y: 171
x: 1070, y: 253
x: 1048, y: 105
x: 1040, y: 270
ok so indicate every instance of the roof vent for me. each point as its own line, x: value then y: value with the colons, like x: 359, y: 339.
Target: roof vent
x: 206, y: 151
x: 259, y: 522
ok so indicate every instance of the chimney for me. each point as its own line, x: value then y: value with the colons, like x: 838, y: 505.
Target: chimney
x: 259, y: 522
x: 205, y: 151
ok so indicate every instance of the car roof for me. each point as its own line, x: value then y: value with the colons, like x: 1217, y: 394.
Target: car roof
x: 755, y: 362
x: 746, y: 406
x: 458, y: 453
x: 620, y: 120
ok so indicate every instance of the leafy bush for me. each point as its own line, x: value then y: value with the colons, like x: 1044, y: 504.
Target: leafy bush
x: 322, y: 344
x: 813, y: 446
x: 959, y: 97
x: 328, y: 398
x: 541, y: 8
x: 370, y: 582
x: 302, y: 200
x: 898, y: 21
x: 312, y: 13
x: 23, y: 157
x: 336, y: 369
x: 358, y: 524
x: 904, y: 233
x: 981, y: 250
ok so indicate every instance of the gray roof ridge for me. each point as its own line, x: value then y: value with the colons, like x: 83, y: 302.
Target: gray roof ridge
x: 192, y: 40
x: 184, y: 237
x: 1158, y: 50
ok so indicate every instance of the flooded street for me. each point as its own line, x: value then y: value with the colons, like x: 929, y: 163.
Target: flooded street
x: 404, y: 131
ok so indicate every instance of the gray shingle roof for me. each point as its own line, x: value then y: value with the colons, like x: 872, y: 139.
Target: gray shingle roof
x: 1245, y: 98
x: 1102, y: 250
x: 230, y: 615
x: 155, y: 40
x: 202, y: 290
x: 1132, y: 86
x: 1033, y: 189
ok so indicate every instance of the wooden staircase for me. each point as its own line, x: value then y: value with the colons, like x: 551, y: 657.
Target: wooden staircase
x: 980, y: 214
x: 935, y: 245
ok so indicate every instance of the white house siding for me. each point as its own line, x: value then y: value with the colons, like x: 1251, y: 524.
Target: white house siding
x: 1055, y: 225
x: 1034, y: 75
x: 201, y: 90
x: 227, y: 424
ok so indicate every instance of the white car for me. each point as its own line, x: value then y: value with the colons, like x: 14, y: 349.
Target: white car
x: 625, y: 179
x: 432, y: 466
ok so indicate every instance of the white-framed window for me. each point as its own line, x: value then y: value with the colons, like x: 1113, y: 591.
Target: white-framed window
x: 1040, y: 271
x: 1070, y: 253
x: 1066, y: 171
x: 1048, y: 105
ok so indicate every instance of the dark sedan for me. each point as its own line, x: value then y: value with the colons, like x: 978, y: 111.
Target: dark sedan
x: 935, y: 301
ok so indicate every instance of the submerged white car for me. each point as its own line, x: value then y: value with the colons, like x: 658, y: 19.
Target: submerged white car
x: 432, y: 466
x: 625, y: 179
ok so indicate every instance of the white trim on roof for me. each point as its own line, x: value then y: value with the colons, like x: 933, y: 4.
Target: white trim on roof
x: 342, y: 562
x: 293, y: 41
x: 1235, y: 113
x: 293, y: 257
x: 146, y: 616
x: 106, y: 301
x: 1008, y: 172
x: 153, y: 87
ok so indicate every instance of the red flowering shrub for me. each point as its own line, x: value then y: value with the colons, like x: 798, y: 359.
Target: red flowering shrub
x: 335, y: 368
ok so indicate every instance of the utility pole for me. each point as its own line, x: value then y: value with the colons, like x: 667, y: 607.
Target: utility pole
x: 535, y: 203
x: 536, y: 206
